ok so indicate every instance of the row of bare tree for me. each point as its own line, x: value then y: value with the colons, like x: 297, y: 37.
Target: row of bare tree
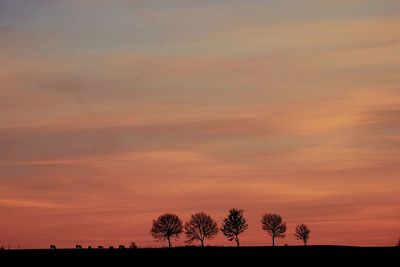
x: 201, y: 226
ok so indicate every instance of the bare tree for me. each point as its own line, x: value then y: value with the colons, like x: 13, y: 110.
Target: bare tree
x: 200, y: 227
x: 167, y: 226
x: 234, y: 225
x: 273, y: 225
x: 302, y: 233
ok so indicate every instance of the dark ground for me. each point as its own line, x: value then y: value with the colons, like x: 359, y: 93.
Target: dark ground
x: 194, y: 256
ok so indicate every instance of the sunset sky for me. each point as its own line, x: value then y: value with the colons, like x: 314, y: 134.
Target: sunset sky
x: 114, y: 112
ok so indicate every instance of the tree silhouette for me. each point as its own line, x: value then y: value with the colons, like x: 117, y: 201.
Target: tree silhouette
x: 167, y: 226
x: 302, y: 233
x: 133, y: 245
x: 234, y: 225
x: 273, y: 225
x: 398, y: 242
x: 200, y: 227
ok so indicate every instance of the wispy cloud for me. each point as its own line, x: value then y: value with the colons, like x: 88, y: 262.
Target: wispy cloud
x: 111, y: 113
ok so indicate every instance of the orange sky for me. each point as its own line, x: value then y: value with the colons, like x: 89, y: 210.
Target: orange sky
x: 113, y: 112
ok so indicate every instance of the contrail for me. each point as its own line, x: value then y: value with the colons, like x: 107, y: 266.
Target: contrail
x: 155, y: 52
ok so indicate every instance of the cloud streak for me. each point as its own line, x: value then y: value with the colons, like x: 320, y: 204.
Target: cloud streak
x: 270, y: 106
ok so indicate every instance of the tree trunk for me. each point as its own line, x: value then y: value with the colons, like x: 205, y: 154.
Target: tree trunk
x: 273, y: 241
x: 202, y: 243
x: 169, y: 242
x: 237, y: 242
x: 305, y: 243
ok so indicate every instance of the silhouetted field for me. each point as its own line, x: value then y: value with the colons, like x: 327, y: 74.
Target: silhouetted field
x: 194, y: 256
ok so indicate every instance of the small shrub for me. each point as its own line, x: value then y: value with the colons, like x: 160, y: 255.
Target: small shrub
x: 133, y: 245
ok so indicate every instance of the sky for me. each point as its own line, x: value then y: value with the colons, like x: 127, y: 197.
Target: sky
x: 114, y: 112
